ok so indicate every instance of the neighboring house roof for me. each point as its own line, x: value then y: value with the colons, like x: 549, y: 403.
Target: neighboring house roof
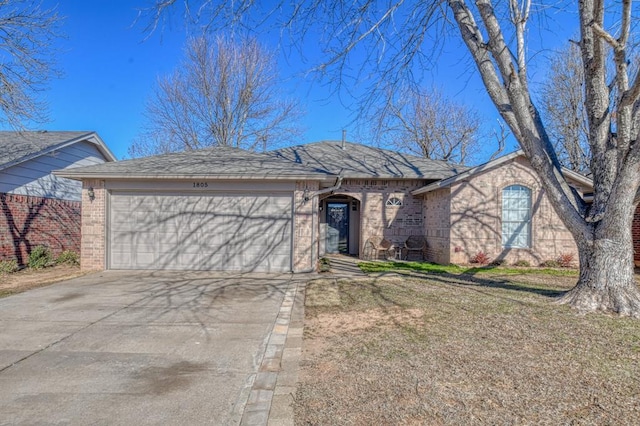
x: 217, y: 163
x: 366, y: 162
x: 18, y: 147
x: 577, y: 177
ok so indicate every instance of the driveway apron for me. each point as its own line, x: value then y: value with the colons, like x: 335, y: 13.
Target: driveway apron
x: 136, y: 347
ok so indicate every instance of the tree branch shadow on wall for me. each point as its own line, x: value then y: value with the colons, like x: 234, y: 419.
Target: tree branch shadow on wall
x: 19, y: 234
x: 203, y: 236
x: 487, y: 223
x: 57, y: 235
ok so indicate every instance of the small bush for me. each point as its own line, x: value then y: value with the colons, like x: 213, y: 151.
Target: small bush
x: 324, y: 265
x: 40, y: 257
x: 522, y: 263
x: 481, y: 258
x: 68, y: 257
x: 550, y: 264
x: 498, y: 262
x: 565, y: 260
x: 8, y: 266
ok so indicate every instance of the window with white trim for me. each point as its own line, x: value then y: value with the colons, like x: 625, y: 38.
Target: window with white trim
x: 516, y: 217
x: 394, y: 202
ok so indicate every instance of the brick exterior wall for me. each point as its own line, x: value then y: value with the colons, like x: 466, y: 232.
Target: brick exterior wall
x: 476, y: 218
x: 395, y: 223
x: 305, y: 219
x: 93, y: 252
x: 27, y: 222
x: 437, y: 225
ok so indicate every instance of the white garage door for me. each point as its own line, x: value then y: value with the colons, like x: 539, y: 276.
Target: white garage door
x: 205, y: 232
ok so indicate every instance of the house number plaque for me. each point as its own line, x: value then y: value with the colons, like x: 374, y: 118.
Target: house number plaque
x: 200, y: 185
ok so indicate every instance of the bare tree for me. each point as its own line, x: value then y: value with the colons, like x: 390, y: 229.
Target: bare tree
x: 430, y: 125
x: 563, y: 107
x: 222, y: 94
x: 496, y: 36
x: 602, y: 230
x: 27, y: 59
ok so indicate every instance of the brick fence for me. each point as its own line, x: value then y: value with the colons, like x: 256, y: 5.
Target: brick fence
x: 27, y: 222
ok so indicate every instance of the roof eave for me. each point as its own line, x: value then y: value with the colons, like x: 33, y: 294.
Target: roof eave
x: 91, y: 137
x: 472, y: 171
x: 102, y: 147
x: 67, y: 173
x: 581, y: 179
x: 488, y: 165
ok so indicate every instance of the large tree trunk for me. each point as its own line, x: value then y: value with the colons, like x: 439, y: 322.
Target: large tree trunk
x: 607, y: 277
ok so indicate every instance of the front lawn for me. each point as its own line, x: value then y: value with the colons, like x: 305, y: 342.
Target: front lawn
x: 434, y: 268
x: 463, y: 349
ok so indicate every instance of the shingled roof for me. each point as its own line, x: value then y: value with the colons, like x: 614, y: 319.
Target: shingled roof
x: 321, y: 161
x: 218, y: 162
x: 353, y: 160
x: 18, y: 147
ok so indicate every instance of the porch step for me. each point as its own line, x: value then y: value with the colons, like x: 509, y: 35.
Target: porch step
x: 345, y: 266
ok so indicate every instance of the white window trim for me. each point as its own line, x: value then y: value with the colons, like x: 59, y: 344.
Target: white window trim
x: 527, y: 223
x: 394, y: 202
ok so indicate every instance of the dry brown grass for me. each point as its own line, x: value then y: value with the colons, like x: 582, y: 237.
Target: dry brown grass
x: 27, y: 279
x: 463, y: 350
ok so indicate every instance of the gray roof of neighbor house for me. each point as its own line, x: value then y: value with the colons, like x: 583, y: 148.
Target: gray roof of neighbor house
x: 218, y: 162
x: 366, y: 162
x: 18, y: 147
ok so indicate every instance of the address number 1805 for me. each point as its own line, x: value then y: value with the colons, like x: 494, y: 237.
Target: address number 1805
x: 200, y: 185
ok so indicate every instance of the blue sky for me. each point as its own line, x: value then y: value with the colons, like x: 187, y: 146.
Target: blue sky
x: 110, y: 70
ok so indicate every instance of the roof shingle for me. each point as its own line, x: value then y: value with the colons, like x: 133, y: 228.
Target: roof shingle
x: 16, y: 147
x: 218, y: 162
x: 363, y: 161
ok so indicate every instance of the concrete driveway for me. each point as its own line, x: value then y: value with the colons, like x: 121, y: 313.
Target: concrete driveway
x: 137, y: 347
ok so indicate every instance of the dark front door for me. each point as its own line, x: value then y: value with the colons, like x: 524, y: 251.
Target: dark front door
x: 338, y: 228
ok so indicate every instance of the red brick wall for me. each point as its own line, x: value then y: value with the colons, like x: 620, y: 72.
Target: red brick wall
x: 635, y: 230
x: 26, y: 222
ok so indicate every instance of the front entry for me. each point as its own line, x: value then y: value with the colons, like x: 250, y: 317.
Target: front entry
x: 337, y: 227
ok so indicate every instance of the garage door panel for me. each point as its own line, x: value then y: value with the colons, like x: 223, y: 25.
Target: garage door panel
x: 212, y: 231
x: 145, y: 261
x: 189, y: 259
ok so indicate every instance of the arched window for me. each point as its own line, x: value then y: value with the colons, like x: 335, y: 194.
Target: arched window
x: 516, y: 216
x: 394, y: 201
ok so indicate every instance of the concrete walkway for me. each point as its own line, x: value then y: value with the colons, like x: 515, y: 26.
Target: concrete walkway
x: 345, y: 266
x: 152, y: 348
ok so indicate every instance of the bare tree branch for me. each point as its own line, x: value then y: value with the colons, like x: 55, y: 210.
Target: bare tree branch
x: 563, y: 107
x: 430, y: 125
x: 27, y: 59
x: 223, y: 94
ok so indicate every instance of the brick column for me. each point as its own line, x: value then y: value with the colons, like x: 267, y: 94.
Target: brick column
x: 305, y: 227
x: 93, y: 243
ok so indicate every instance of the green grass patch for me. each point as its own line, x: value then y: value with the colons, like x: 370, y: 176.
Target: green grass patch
x: 433, y: 268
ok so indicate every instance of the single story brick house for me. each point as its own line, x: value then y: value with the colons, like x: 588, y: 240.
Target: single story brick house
x: 36, y: 207
x: 230, y: 209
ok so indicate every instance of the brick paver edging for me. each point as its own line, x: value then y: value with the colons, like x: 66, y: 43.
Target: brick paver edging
x: 274, y: 386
